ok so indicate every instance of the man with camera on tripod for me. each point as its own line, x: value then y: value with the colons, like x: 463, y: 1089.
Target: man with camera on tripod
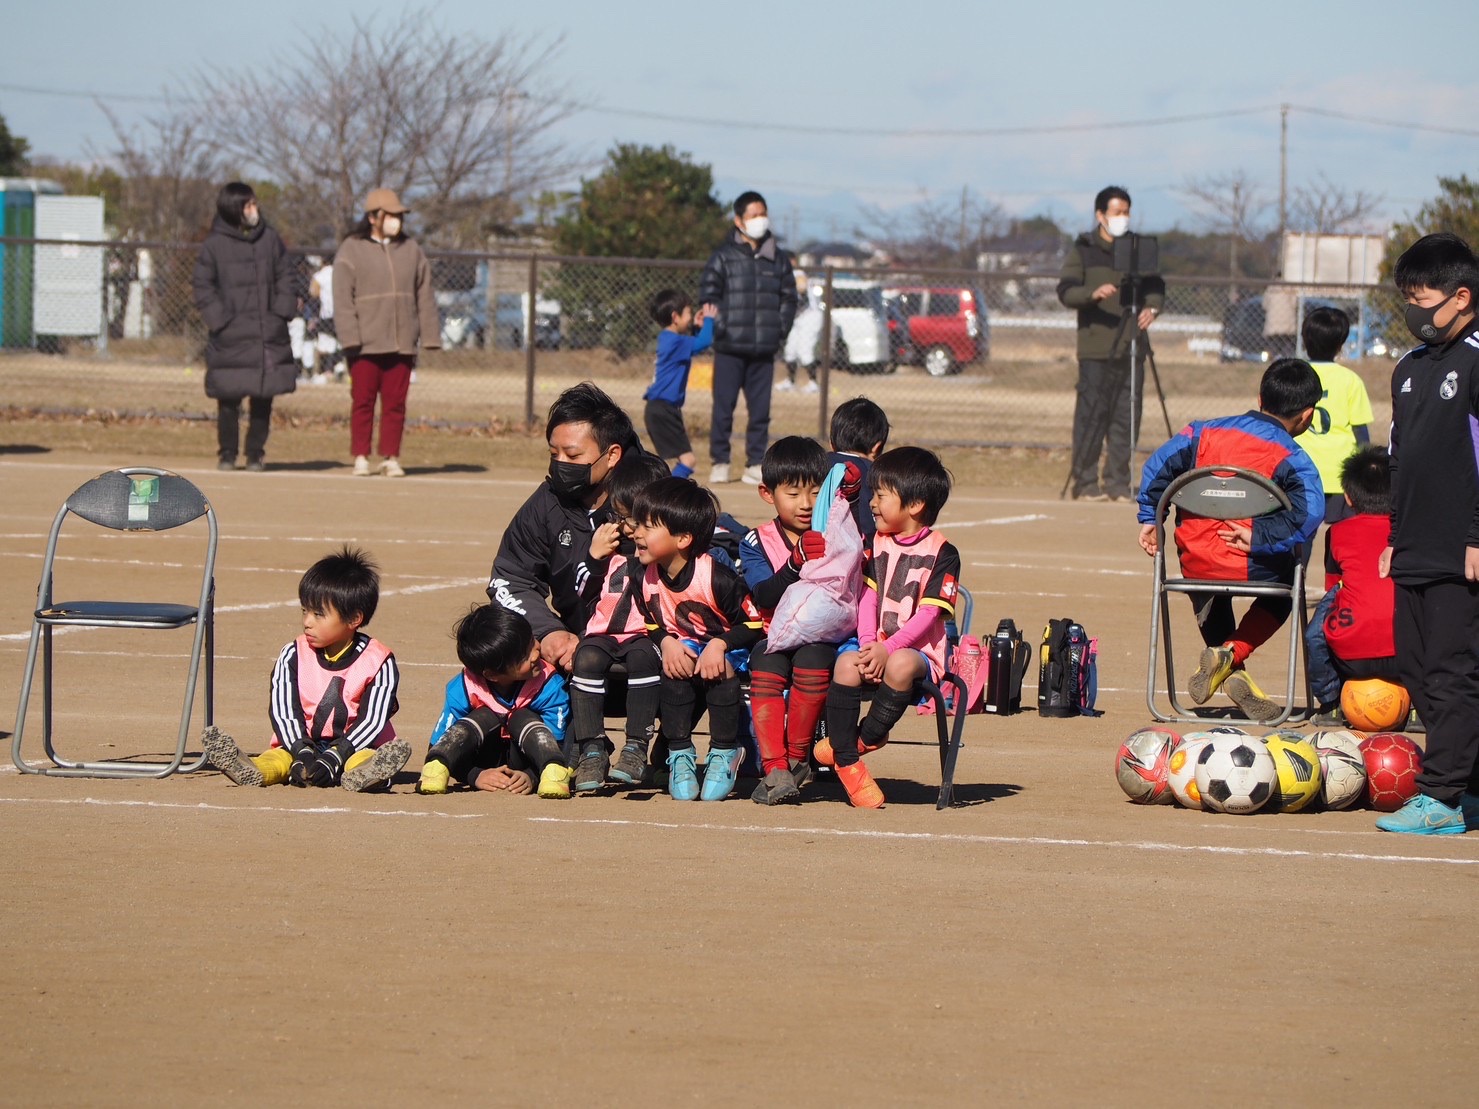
x: 1116, y: 301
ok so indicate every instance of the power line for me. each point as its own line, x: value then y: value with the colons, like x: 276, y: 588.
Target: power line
x: 1374, y: 122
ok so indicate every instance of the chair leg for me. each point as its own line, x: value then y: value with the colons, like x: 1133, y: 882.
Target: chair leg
x: 949, y: 733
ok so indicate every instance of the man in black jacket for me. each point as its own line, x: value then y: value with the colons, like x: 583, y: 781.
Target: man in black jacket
x: 541, y: 560
x: 749, y: 280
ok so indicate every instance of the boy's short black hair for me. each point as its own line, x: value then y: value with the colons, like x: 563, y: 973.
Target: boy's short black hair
x: 587, y: 403
x: 794, y: 460
x: 492, y: 639
x: 667, y: 303
x: 682, y: 506
x: 1108, y: 193
x: 745, y: 199
x: 1441, y: 261
x: 916, y: 475
x: 231, y: 200
x: 1325, y: 331
x: 346, y: 581
x: 634, y: 473
x: 858, y: 425
x: 1289, y: 386
x: 1366, y: 478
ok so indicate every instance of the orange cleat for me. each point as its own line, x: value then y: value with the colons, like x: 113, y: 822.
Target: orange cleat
x: 822, y: 751
x: 862, y: 790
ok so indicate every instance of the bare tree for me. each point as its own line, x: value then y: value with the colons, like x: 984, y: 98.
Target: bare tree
x: 1232, y: 205
x: 171, y: 171
x: 1325, y: 208
x: 936, y: 231
x: 458, y: 125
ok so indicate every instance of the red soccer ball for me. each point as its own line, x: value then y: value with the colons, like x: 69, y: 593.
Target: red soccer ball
x: 1392, y: 765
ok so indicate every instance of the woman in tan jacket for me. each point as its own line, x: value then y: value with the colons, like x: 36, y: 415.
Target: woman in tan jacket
x: 384, y: 309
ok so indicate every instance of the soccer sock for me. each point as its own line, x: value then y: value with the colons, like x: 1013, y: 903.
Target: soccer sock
x: 274, y: 763
x: 843, y: 704
x: 723, y: 700
x: 539, y: 744
x: 808, y: 700
x: 887, y: 707
x: 768, y: 709
x: 1254, y: 629
x: 677, y: 702
x: 642, y: 699
x: 681, y: 470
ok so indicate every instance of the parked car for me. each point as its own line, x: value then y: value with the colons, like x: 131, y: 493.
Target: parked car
x: 513, y: 312
x: 860, y: 338
x: 1243, y: 338
x: 461, y: 287
x: 947, y: 326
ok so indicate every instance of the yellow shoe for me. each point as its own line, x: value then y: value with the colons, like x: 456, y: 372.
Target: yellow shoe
x: 434, y: 777
x: 1213, y: 668
x: 1254, y: 703
x: 555, y: 781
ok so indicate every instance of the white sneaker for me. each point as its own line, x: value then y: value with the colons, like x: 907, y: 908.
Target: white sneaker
x: 751, y: 476
x: 784, y: 385
x: 719, y: 475
x: 391, y: 468
x: 811, y: 387
x: 361, y: 466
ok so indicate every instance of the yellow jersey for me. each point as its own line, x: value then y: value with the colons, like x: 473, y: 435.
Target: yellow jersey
x: 1344, y: 405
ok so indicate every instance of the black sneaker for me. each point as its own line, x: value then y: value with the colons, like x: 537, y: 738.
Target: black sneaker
x: 631, y: 764
x: 590, y: 771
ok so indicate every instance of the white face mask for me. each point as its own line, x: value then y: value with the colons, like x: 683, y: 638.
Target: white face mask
x: 757, y: 228
x: 1117, y: 226
x: 251, y: 218
x: 391, y: 227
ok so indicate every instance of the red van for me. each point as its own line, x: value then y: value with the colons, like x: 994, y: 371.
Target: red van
x: 947, y: 327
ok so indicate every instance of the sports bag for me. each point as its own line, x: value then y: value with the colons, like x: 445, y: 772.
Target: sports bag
x: 1068, y: 670
x: 823, y: 606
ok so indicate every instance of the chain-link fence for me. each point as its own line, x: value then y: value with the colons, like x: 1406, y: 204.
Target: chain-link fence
x: 954, y: 357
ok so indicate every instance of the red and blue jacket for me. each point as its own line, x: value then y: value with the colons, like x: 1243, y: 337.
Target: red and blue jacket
x: 1256, y: 442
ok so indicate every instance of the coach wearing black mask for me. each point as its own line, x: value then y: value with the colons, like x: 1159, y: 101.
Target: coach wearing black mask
x: 543, y: 550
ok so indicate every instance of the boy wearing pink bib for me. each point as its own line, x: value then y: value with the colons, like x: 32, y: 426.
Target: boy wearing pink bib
x: 333, y: 692
x: 911, y: 573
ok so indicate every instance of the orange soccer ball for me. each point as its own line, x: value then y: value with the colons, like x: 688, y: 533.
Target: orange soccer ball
x: 1374, y: 705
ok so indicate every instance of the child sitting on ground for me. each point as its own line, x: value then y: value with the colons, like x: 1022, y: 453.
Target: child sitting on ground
x: 859, y: 432
x: 672, y: 310
x: 502, y: 726
x: 772, y: 556
x: 701, y: 616
x: 615, y: 632
x: 333, y: 692
x: 1350, y: 636
x: 911, y: 574
x: 1260, y: 549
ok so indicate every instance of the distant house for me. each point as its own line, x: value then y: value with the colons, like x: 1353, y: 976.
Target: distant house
x: 1030, y: 253
x: 840, y: 255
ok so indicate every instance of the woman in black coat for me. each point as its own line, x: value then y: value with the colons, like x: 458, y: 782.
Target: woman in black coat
x: 243, y: 286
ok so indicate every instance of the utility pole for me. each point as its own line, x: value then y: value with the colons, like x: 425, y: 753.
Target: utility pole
x: 1283, y: 180
x: 964, y: 192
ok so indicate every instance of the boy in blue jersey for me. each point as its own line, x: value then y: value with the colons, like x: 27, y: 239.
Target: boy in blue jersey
x: 672, y: 310
x: 502, y: 727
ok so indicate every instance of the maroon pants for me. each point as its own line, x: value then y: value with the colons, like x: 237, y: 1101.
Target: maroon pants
x: 387, y: 376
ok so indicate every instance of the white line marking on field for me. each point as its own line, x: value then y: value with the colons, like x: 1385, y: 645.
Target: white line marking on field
x: 954, y: 525
x: 1077, y: 569
x: 1026, y: 841
x: 204, y: 806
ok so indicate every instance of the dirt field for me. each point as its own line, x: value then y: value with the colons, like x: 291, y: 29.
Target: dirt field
x: 1044, y: 942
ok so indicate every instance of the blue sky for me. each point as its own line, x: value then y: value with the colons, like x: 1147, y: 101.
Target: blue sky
x: 879, y: 65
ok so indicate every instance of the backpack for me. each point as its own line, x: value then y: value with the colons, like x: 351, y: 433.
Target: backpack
x: 1068, y: 673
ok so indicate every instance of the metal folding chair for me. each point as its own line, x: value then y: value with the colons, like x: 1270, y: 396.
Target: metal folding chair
x: 1220, y: 493
x: 133, y: 499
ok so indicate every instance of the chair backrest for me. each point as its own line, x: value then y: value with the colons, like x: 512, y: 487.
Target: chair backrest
x: 138, y: 499
x: 1223, y: 493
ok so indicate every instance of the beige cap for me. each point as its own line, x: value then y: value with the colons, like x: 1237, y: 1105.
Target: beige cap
x: 384, y: 200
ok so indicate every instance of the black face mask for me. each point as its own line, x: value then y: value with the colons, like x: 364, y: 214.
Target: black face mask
x: 570, y: 480
x: 1420, y: 321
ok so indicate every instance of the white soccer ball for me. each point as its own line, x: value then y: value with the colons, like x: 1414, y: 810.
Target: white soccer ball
x: 1235, y: 774
x: 1140, y: 765
x: 1342, y: 767
x: 1182, y: 769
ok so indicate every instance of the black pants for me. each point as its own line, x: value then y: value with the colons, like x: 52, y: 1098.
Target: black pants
x: 228, y: 427
x: 1437, y: 631
x: 594, y: 658
x: 522, y: 742
x: 756, y: 376
x: 1101, y: 423
x: 683, y: 703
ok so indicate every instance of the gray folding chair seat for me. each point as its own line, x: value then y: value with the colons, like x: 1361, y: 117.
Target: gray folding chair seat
x: 1220, y: 493
x: 133, y: 499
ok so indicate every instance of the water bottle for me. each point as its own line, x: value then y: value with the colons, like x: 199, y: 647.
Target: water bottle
x: 970, y: 666
x: 999, y: 673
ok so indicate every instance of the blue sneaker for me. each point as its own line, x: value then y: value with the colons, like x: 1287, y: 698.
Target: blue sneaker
x: 1423, y: 816
x: 683, y: 774
x: 721, y: 768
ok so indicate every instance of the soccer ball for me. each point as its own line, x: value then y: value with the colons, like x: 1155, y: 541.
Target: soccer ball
x: 1392, y: 765
x: 1342, y: 768
x: 1182, y: 769
x: 1374, y: 705
x: 1141, y: 765
x: 1298, y: 764
x: 1235, y: 774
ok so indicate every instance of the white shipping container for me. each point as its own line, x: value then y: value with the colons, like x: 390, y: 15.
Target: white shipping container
x: 69, y: 279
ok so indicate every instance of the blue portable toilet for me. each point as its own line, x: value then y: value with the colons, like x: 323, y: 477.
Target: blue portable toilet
x: 17, y: 263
